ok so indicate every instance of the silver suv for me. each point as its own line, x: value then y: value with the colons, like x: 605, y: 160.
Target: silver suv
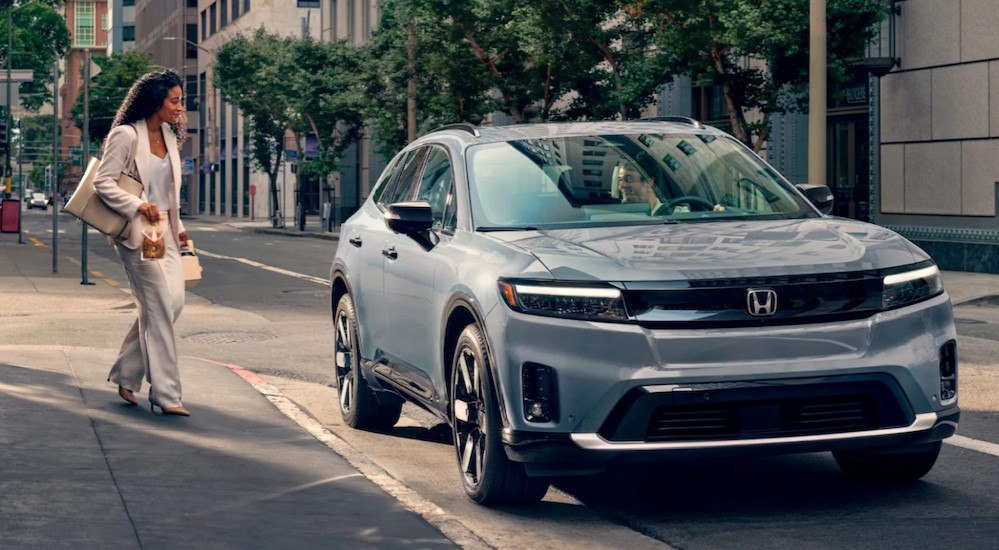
x: 569, y: 295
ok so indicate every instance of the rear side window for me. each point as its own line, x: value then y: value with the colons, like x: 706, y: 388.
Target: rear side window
x: 407, y: 181
x: 387, y: 179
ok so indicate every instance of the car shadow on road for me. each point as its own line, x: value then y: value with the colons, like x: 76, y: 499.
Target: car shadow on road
x: 439, y: 433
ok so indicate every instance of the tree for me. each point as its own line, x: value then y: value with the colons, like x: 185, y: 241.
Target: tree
x: 36, y: 136
x: 448, y: 84
x: 253, y: 74
x: 109, y: 88
x: 328, y: 98
x: 532, y: 59
x: 754, y: 51
x: 40, y: 38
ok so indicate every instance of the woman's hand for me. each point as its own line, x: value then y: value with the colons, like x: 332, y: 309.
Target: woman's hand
x: 150, y: 211
x: 183, y: 239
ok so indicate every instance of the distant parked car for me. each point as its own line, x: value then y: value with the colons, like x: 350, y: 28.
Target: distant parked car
x: 566, y: 296
x: 38, y: 200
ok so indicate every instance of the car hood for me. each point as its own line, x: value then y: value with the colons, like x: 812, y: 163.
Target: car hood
x: 715, y: 250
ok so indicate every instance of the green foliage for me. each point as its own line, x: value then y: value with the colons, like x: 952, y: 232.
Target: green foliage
x: 36, y: 136
x: 286, y: 84
x: 756, y: 51
x: 460, y: 60
x: 329, y: 99
x: 40, y: 38
x: 109, y: 88
x: 251, y: 73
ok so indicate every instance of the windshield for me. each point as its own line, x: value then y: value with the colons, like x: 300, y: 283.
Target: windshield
x: 622, y: 180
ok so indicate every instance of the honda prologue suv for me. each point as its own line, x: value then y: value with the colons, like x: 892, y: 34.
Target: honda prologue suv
x: 565, y: 296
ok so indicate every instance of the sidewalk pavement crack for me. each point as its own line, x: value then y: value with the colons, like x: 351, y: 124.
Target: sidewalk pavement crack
x: 100, y: 443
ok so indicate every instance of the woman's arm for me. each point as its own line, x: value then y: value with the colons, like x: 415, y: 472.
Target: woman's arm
x: 119, y: 146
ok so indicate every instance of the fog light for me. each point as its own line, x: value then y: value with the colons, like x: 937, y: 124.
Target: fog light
x: 540, y: 403
x: 948, y: 371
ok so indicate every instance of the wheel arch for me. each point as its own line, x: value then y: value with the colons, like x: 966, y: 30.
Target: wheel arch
x: 340, y: 285
x: 461, y: 311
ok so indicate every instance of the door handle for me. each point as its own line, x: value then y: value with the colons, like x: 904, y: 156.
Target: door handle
x: 390, y: 253
x: 356, y: 241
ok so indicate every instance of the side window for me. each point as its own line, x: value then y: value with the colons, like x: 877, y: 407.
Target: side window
x: 388, y: 176
x: 435, y: 183
x: 406, y: 184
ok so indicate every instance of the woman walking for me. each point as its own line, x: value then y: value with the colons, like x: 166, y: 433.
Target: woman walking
x: 144, y: 141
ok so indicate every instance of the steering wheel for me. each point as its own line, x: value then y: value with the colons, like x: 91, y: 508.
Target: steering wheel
x: 690, y: 200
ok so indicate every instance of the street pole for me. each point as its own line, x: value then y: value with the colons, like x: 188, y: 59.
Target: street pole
x: 10, y: 130
x: 84, y: 278
x: 411, y: 84
x: 817, y: 92
x: 10, y: 102
x: 55, y: 164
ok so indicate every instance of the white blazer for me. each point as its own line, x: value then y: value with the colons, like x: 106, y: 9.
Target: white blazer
x: 116, y: 152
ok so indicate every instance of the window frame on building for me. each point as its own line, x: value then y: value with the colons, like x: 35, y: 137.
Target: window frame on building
x: 84, y: 23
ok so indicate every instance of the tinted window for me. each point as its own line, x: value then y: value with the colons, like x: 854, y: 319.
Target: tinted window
x: 435, y: 183
x: 387, y: 176
x: 404, y: 186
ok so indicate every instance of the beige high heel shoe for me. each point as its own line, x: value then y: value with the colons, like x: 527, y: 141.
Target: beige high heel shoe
x: 127, y: 395
x: 179, y: 410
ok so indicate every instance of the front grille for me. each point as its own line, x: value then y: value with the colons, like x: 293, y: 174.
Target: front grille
x: 845, y: 414
x: 751, y: 420
x: 719, y: 303
x: 758, y: 409
x: 691, y: 423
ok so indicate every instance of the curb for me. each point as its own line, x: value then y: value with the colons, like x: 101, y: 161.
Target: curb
x: 453, y: 529
x: 292, y: 233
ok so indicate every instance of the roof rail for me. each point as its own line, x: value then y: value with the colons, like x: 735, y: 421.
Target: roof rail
x: 674, y: 118
x: 466, y: 126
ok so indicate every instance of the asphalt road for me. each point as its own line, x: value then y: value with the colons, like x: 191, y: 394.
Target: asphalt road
x: 274, y: 320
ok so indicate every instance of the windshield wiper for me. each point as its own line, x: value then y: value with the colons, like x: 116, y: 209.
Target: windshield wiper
x: 507, y: 228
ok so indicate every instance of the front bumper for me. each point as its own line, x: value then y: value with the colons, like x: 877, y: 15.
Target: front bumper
x: 580, y: 453
x: 600, y: 366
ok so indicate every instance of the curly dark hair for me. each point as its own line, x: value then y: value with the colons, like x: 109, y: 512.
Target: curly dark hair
x: 146, y: 96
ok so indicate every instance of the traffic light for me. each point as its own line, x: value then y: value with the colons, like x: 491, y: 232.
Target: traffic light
x: 3, y: 133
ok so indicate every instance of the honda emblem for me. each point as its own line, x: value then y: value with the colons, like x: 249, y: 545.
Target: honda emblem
x: 761, y: 302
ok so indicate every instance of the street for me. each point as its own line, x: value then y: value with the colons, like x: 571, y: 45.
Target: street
x: 263, y: 304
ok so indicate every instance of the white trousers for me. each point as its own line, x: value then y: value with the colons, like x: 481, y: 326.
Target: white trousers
x: 150, y: 347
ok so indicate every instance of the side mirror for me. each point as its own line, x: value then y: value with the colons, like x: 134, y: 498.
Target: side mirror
x: 819, y: 195
x: 409, y: 217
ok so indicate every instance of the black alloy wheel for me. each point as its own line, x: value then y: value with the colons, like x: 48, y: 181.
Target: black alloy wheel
x: 360, y: 407
x: 488, y: 476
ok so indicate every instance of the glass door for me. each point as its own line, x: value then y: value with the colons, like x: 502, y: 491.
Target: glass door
x: 848, y: 166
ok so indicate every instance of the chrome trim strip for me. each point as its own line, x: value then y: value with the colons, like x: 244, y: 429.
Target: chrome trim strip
x: 594, y: 442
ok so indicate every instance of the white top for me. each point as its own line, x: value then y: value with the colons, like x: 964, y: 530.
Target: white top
x: 159, y: 188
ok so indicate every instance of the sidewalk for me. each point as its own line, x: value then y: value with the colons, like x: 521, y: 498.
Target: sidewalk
x: 79, y: 468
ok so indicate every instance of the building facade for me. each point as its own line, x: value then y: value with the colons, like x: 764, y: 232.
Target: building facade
x: 938, y: 137
x: 169, y: 31
x: 88, y: 21
x: 121, y: 30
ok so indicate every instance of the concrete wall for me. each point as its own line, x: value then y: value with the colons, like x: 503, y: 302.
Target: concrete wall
x: 939, y: 119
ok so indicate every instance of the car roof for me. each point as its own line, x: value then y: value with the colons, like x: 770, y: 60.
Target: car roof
x: 491, y: 134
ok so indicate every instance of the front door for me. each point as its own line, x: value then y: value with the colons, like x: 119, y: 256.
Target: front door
x: 849, y: 170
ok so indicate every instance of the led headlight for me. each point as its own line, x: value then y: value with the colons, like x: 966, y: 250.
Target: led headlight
x: 910, y: 287
x: 576, y: 301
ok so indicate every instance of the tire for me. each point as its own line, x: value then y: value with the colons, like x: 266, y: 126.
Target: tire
x: 888, y: 467
x: 487, y: 475
x: 360, y: 407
